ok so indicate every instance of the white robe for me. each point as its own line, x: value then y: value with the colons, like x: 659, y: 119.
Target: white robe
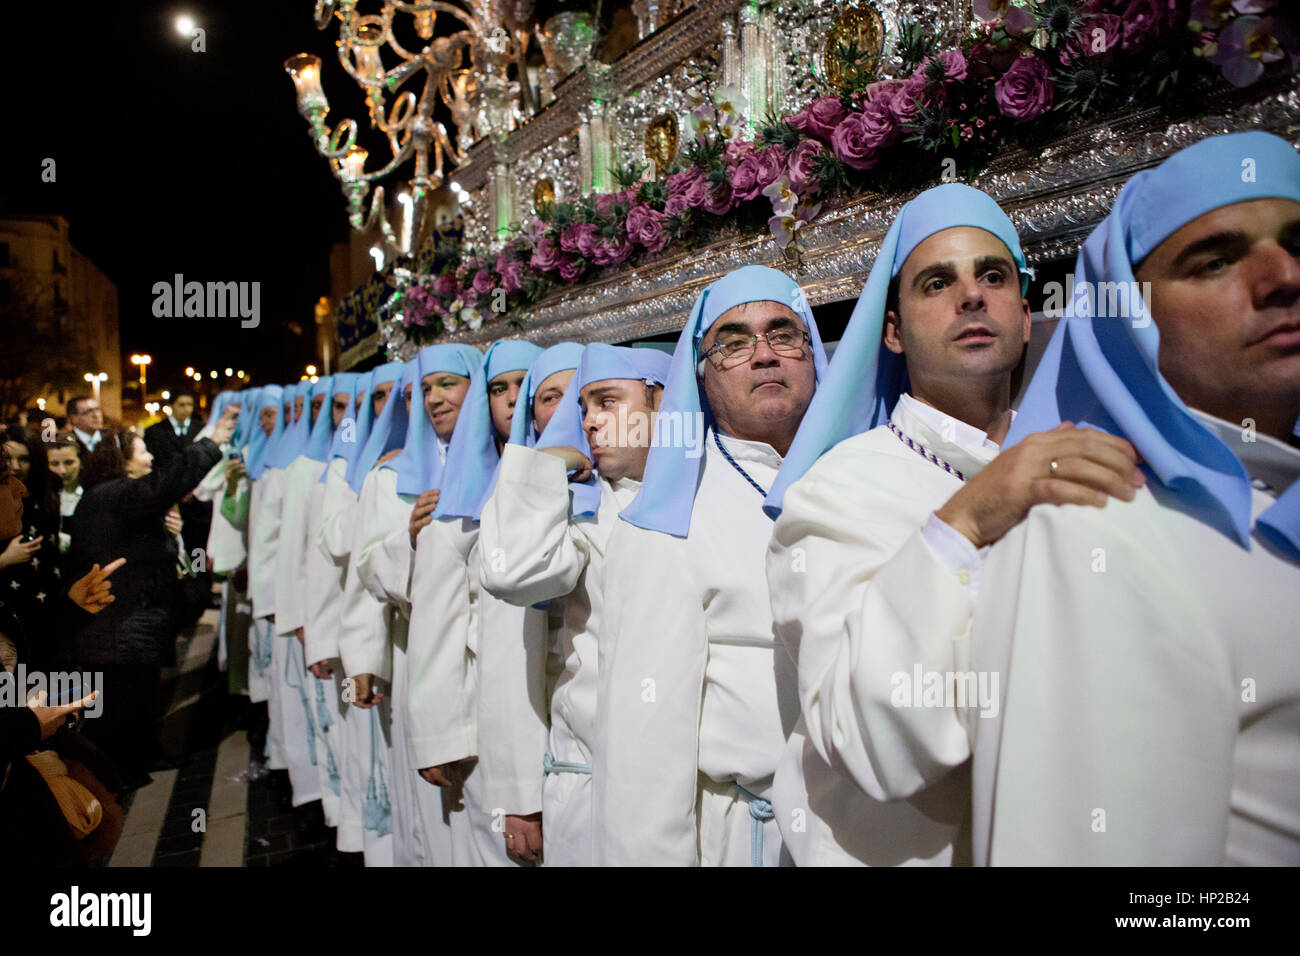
x: 441, y: 649
x: 384, y: 566
x: 324, y: 600
x: 263, y: 543
x: 292, y: 740
x: 327, y: 580
x: 696, y: 693
x: 1151, y: 685
x: 856, y: 586
x: 532, y: 549
x: 364, y: 649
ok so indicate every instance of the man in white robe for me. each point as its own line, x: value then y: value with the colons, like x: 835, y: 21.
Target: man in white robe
x: 261, y: 556
x: 364, y: 801
x: 860, y: 568
x: 1151, y: 710
x: 332, y: 504
x: 297, y: 537
x: 421, y: 837
x: 552, y: 548
x: 289, y: 719
x: 696, y: 695
x: 446, y: 609
x: 512, y: 659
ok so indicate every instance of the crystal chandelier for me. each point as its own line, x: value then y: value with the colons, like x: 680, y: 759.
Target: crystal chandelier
x: 478, y: 95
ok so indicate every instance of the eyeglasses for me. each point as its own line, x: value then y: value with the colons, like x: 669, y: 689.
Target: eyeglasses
x: 740, y: 349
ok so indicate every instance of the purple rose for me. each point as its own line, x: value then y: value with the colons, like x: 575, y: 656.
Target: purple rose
x: 646, y: 226
x: 851, y: 142
x: 1025, y: 91
x: 1144, y: 19
x: 1088, y: 42
x: 719, y: 201
x: 483, y: 283
x: 512, y: 276
x: 677, y: 182
x: 878, y: 124
x: 697, y: 192
x: 908, y: 99
x: 570, y: 269
x: 445, y: 286
x: 738, y: 150
x: 744, y: 178
x: 802, y: 167
x: 771, y: 164
x: 820, y: 118
x: 546, y: 257
x: 612, y: 251
x: 675, y: 205
x: 580, y: 238
x: 954, y: 66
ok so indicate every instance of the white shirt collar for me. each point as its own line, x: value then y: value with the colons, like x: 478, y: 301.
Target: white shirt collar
x: 961, y: 433
x: 1265, y: 459
x: 176, y: 426
x: 86, y: 437
x: 743, y: 449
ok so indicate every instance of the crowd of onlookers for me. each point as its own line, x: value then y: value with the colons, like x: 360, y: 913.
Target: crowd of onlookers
x: 101, y: 568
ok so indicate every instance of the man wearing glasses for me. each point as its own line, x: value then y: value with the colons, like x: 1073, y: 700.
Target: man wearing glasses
x: 696, y: 696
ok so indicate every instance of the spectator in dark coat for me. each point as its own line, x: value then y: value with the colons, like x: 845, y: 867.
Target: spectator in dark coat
x: 32, y: 827
x: 30, y: 575
x: 122, y: 513
x: 166, y: 441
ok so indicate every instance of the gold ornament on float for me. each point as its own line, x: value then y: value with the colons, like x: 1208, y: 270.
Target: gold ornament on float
x: 858, y: 27
x: 661, y: 142
x: 543, y: 194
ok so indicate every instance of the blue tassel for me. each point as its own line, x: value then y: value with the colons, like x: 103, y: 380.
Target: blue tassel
x: 322, y: 708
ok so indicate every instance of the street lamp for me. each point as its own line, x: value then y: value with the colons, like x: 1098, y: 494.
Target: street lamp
x: 94, y: 380
x: 142, y: 361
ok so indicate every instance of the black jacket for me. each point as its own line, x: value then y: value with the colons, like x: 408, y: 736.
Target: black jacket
x: 123, y: 517
x: 165, y: 445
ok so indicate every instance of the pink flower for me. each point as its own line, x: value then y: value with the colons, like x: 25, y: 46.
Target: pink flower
x: 675, y: 205
x: 908, y: 100
x: 570, y: 269
x: 803, y: 166
x: 1025, y: 91
x: 533, y: 230
x: 882, y: 90
x: 719, y: 201
x: 852, y: 142
x: 580, y: 238
x: 954, y: 65
x: 469, y: 297
x: 1144, y: 19
x: 1100, y: 35
x: 612, y: 251
x: 512, y: 276
x: 646, y: 226
x: 445, y: 286
x: 546, y: 257
x: 820, y: 118
x: 756, y: 171
x: 677, y: 182
x: 483, y: 283
x: 737, y: 150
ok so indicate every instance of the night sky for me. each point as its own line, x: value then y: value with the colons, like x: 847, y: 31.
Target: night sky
x: 174, y: 161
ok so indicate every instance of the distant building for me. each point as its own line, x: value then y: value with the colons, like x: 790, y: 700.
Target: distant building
x: 73, y: 298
